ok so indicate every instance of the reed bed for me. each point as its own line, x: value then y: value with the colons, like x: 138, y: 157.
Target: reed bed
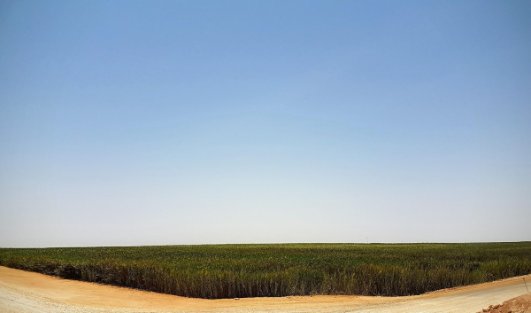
x: 236, y: 271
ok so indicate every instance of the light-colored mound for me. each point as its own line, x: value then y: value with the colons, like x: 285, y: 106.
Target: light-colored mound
x: 520, y: 304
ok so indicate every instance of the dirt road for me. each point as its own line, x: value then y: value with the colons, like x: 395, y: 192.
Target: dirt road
x: 26, y: 292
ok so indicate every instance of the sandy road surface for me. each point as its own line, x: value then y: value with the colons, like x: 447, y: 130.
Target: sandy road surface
x: 26, y: 292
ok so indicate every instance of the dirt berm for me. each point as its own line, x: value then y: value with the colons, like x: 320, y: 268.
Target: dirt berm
x: 27, y: 292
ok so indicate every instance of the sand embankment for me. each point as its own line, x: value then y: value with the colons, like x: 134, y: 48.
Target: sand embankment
x: 27, y: 292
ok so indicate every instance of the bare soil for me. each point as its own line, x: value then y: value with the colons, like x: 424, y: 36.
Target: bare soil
x: 27, y: 292
x: 520, y: 304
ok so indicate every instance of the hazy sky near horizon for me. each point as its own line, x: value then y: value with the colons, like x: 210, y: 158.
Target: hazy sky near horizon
x: 185, y: 122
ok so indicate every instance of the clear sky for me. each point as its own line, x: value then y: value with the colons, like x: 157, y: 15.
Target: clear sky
x: 184, y: 122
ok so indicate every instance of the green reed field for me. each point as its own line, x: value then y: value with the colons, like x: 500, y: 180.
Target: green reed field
x: 227, y: 271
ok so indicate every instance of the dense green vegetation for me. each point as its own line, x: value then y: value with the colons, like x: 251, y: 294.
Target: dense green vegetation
x: 221, y: 271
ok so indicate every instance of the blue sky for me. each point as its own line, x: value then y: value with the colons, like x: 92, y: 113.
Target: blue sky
x: 183, y: 122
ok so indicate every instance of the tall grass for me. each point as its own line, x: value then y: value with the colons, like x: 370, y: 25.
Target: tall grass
x: 228, y: 271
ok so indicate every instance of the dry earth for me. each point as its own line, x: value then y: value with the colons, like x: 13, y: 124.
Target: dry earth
x: 520, y: 304
x: 27, y: 292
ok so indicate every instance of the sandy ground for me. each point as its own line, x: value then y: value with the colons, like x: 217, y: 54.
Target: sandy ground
x: 521, y: 304
x: 27, y: 292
